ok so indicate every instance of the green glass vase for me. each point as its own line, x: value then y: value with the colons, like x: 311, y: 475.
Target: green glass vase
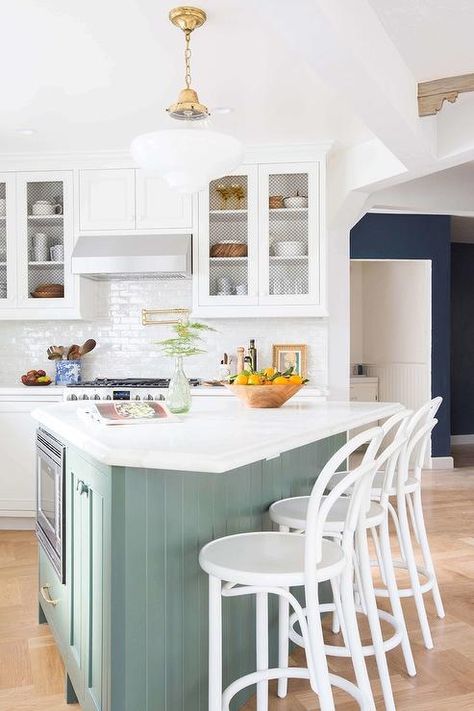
x: 178, y: 397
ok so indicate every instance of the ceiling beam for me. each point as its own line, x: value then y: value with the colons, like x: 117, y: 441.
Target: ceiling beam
x: 433, y: 94
x: 349, y: 49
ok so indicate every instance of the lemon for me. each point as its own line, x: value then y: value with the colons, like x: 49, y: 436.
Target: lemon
x: 241, y: 380
x: 296, y: 379
x: 254, y: 379
x: 269, y: 372
x: 281, y: 380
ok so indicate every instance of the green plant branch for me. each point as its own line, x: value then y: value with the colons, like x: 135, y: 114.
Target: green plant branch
x: 187, y: 341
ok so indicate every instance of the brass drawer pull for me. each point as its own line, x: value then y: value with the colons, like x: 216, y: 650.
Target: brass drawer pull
x: 44, y: 589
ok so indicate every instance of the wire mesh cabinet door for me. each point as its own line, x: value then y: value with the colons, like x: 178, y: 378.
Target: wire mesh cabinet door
x: 290, y: 234
x: 228, y: 242
x: 45, y: 228
x: 7, y: 240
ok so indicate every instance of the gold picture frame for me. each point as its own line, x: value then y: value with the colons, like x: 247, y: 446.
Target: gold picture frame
x: 285, y: 355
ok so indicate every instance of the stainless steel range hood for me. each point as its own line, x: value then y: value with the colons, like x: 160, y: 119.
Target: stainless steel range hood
x: 133, y: 257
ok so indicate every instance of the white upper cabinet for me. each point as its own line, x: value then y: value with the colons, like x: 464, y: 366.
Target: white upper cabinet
x: 36, y: 242
x: 159, y: 207
x: 106, y: 200
x: 260, y: 247
x: 129, y: 200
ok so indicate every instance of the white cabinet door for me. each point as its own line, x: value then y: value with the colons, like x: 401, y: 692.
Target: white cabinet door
x: 158, y: 207
x: 38, y: 267
x: 289, y: 236
x: 17, y: 445
x: 8, y: 237
x: 228, y: 241
x: 106, y: 200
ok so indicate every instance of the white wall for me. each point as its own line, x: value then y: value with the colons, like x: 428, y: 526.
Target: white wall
x: 394, y: 298
x: 126, y: 348
x: 357, y: 324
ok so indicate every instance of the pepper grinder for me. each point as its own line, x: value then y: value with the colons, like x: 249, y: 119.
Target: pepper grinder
x: 240, y: 359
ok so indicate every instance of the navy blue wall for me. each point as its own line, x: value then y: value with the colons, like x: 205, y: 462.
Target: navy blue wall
x: 379, y: 236
x: 462, y: 339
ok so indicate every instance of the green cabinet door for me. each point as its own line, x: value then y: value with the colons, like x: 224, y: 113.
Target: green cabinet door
x: 88, y: 568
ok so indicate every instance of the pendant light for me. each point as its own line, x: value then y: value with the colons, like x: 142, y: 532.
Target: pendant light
x: 188, y: 154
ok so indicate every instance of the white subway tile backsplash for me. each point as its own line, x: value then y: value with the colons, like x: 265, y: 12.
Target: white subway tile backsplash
x: 125, y: 348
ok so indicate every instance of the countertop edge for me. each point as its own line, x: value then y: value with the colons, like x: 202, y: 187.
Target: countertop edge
x: 209, y: 464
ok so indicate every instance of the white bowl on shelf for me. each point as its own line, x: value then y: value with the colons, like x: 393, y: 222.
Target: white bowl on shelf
x: 289, y: 248
x: 296, y: 201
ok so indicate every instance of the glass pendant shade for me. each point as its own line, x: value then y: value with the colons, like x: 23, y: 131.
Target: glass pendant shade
x: 189, y: 156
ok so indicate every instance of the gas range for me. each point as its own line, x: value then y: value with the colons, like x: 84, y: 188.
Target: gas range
x: 121, y: 389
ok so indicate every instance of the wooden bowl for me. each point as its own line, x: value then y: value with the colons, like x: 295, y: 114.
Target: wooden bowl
x: 264, y: 395
x: 29, y: 385
x: 229, y: 249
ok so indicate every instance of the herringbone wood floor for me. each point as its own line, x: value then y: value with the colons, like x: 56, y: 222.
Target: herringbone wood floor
x: 31, y: 672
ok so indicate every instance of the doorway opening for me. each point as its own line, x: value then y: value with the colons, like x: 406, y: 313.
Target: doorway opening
x: 391, y: 329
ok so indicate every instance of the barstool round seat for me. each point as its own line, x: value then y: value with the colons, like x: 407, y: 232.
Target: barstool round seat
x: 267, y: 558
x: 292, y: 512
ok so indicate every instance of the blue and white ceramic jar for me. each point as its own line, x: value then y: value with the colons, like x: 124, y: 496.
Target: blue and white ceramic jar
x: 68, y: 372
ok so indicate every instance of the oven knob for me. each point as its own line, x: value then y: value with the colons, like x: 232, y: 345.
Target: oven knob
x: 85, y: 397
x: 109, y: 397
x: 97, y: 396
x: 149, y: 396
x: 160, y: 397
x: 72, y: 397
x: 137, y: 397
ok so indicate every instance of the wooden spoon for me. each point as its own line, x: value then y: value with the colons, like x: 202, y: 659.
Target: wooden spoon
x: 87, y: 347
x: 55, y: 352
x: 74, y: 352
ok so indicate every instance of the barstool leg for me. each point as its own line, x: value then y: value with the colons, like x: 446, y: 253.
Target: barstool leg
x: 425, y: 548
x: 352, y: 638
x: 374, y: 620
x: 283, y: 640
x: 215, y: 644
x: 395, y: 603
x: 262, y: 648
x: 406, y: 544
x: 336, y: 621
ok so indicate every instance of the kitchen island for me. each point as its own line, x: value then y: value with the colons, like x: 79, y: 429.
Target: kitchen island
x: 130, y: 619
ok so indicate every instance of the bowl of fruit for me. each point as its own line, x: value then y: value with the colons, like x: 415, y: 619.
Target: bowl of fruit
x: 36, y: 377
x: 265, y: 388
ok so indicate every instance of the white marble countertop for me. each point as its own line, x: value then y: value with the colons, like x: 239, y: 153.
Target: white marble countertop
x: 218, y: 434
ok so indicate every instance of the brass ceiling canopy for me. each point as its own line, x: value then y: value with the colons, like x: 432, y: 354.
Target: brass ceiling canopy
x: 188, y: 107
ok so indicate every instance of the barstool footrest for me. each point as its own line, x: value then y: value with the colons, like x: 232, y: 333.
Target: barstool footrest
x: 408, y: 592
x: 288, y: 673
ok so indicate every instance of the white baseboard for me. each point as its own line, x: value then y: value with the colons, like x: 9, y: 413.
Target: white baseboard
x: 462, y: 439
x: 17, y: 523
x: 442, y: 463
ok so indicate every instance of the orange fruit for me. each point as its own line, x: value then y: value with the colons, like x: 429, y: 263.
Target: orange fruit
x: 296, y: 379
x: 281, y: 380
x: 241, y: 380
x: 254, y: 379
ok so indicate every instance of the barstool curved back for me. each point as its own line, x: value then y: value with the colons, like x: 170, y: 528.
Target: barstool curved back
x: 357, y: 484
x: 319, y: 506
x: 413, y: 456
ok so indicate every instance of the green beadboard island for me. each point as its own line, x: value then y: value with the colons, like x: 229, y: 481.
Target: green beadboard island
x: 131, y: 619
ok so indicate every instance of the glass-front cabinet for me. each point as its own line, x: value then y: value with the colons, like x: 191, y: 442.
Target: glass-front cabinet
x: 36, y: 241
x: 45, y: 225
x: 260, y: 246
x: 7, y: 246
x: 289, y: 234
x: 228, y: 259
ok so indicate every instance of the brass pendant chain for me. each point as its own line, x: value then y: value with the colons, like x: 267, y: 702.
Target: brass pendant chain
x: 187, y: 59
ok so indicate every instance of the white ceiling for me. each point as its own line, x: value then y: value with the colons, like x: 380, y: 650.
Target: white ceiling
x: 434, y: 37
x: 90, y: 75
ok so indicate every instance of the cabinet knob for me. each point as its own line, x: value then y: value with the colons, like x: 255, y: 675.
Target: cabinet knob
x: 82, y: 488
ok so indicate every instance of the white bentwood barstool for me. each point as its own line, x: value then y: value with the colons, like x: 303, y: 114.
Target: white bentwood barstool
x: 406, y: 495
x: 290, y: 514
x: 271, y: 562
